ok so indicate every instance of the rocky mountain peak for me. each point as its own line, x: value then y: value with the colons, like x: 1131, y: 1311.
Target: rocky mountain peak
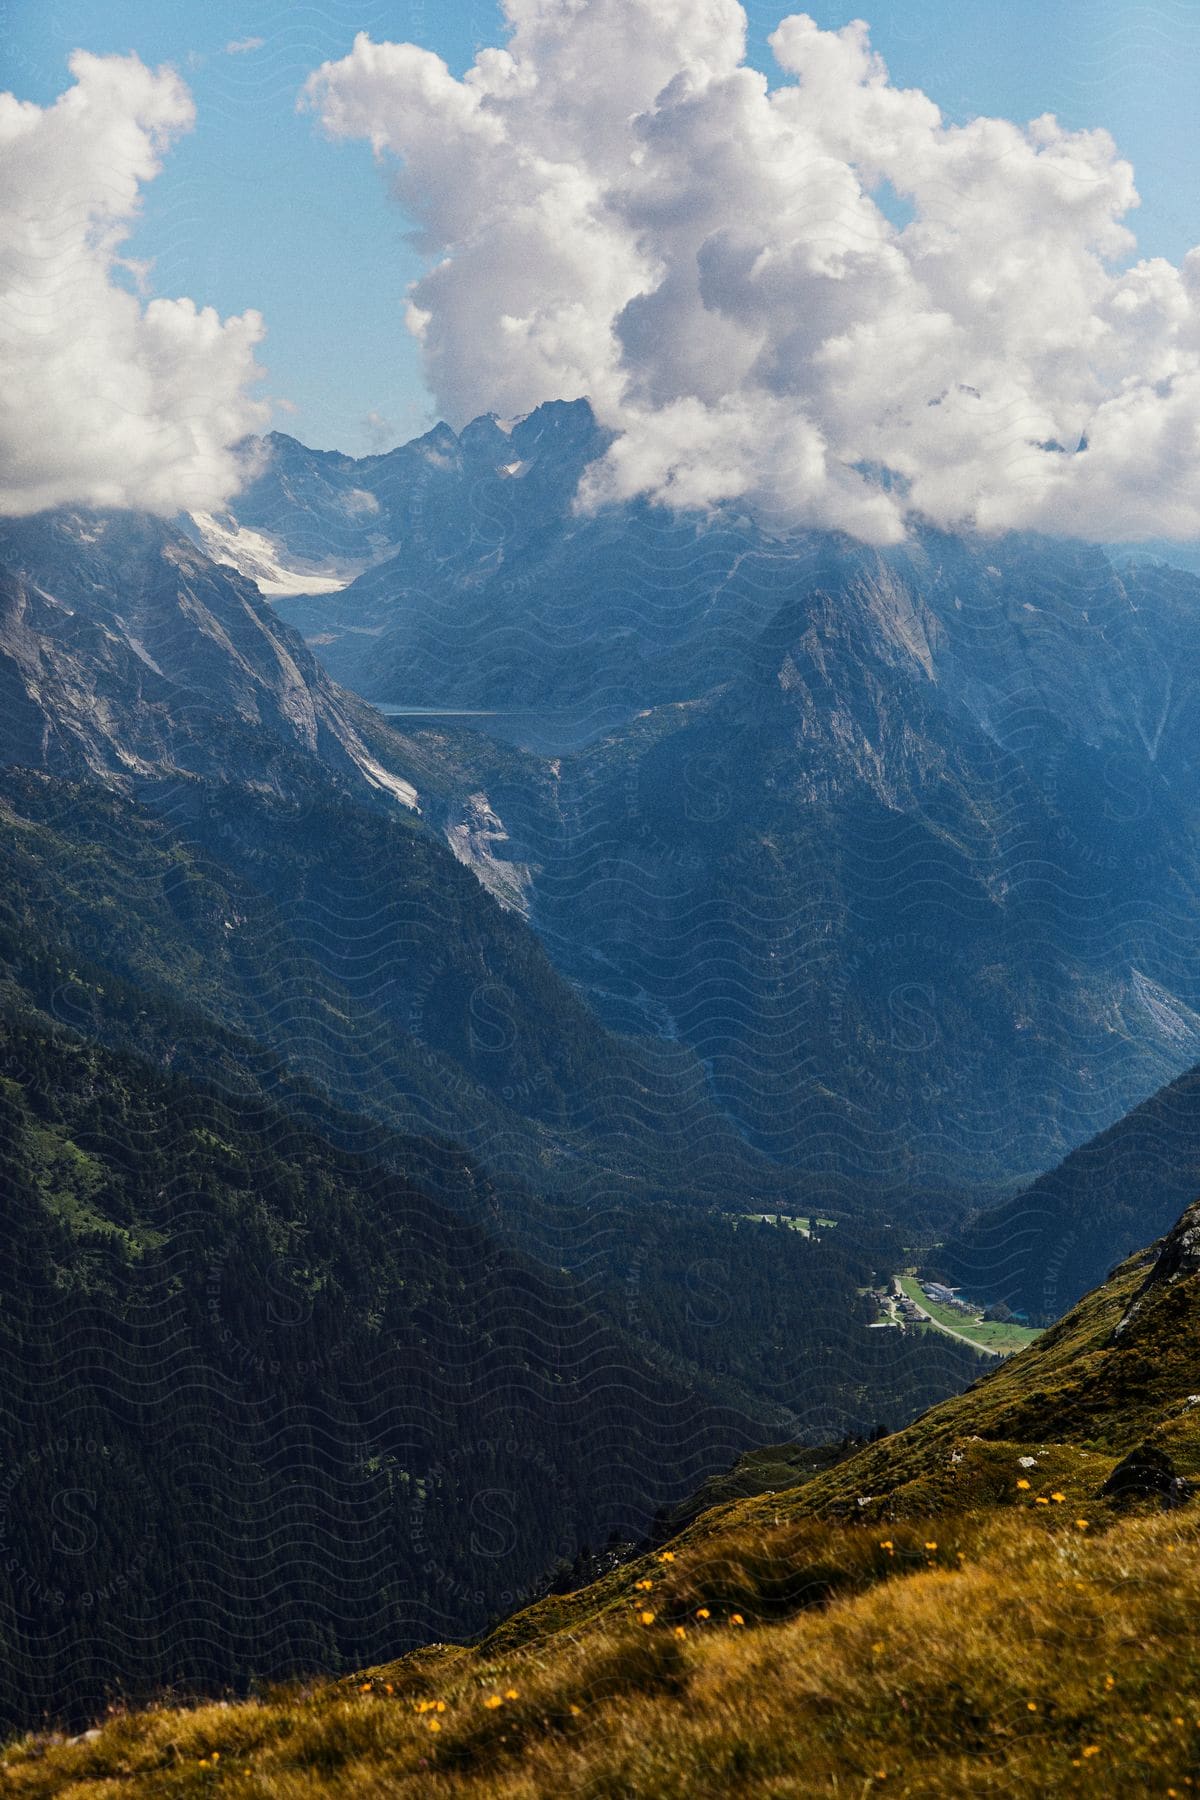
x: 486, y: 440
x: 1178, y: 1257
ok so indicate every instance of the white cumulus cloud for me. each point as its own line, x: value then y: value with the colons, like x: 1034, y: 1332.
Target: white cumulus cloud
x: 107, y: 398
x: 777, y: 294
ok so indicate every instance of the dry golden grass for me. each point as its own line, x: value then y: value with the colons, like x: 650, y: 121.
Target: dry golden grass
x: 956, y: 1610
x: 1036, y: 1657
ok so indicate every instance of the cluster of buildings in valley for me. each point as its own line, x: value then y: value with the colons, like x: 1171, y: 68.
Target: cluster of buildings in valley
x: 896, y: 1308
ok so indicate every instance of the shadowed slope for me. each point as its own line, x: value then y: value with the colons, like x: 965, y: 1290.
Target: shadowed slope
x: 1002, y: 1614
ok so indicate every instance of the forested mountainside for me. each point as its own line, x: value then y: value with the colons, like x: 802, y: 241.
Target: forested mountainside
x: 360, y: 952
x: 999, y: 1599
x: 899, y: 843
x: 235, y: 836
x: 359, y: 1276
x: 274, y: 1405
x: 1042, y: 1249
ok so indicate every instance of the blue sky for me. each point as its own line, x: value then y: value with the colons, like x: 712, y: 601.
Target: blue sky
x: 256, y: 208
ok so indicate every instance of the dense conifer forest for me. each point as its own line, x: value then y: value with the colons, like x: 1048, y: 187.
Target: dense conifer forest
x: 272, y: 1405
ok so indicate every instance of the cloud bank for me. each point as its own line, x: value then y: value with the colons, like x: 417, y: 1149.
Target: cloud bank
x: 106, y: 400
x: 821, y: 300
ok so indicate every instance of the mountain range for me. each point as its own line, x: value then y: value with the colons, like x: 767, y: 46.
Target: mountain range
x: 435, y: 1147
x: 899, y: 844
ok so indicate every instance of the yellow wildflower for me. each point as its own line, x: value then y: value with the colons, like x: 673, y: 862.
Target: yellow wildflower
x: 702, y: 1612
x: 493, y: 1701
x: 647, y: 1618
x: 737, y: 1619
x: 1022, y: 1483
x: 1082, y: 1524
x: 680, y: 1632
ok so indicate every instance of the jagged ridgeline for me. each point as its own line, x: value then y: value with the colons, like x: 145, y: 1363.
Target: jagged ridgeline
x: 1001, y: 1598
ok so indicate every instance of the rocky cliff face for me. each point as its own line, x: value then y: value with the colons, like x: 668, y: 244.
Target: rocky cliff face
x: 919, y: 882
x: 1177, y: 1258
x: 418, y: 526
x: 126, y: 654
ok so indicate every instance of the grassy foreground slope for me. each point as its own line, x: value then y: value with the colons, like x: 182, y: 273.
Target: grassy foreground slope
x: 999, y: 1600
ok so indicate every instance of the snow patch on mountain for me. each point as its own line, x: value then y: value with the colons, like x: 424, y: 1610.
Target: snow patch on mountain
x: 261, y: 559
